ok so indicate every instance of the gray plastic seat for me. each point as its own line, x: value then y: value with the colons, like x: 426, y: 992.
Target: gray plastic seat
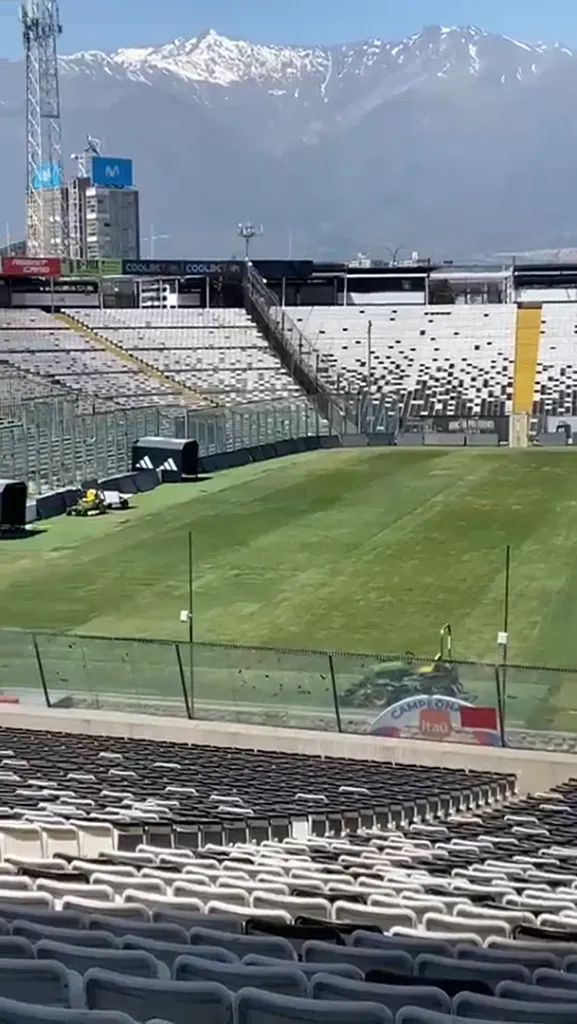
x: 536, y: 993
x: 12, y: 1012
x: 49, y: 918
x: 365, y: 959
x: 394, y: 997
x: 216, y: 922
x: 242, y: 945
x: 15, y: 947
x: 408, y: 943
x: 168, y: 952
x: 417, y: 1015
x: 495, y: 1008
x: 433, y: 967
x: 309, y: 970
x: 123, y: 961
x: 46, y: 982
x: 545, y: 977
x: 142, y: 998
x: 75, y: 936
x: 127, y: 926
x: 252, y: 1006
x: 286, y: 980
x: 529, y: 958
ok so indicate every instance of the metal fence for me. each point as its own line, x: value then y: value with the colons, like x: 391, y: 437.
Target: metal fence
x: 389, y: 695
x: 54, y: 443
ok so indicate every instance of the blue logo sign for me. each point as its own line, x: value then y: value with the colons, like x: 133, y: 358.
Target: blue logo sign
x: 108, y: 172
x: 47, y: 176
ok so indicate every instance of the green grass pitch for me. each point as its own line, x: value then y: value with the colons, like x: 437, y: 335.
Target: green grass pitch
x: 361, y: 550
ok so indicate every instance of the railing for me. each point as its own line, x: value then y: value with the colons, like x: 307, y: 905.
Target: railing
x: 388, y: 695
x: 307, y: 364
x: 57, y: 443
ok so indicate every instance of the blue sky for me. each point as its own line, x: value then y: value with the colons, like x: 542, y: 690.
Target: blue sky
x: 107, y: 24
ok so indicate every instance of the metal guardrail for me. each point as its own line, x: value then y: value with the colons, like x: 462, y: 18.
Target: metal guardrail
x: 55, y: 443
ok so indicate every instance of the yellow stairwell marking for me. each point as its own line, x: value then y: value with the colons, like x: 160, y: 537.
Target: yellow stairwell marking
x: 138, y: 364
x: 527, y: 341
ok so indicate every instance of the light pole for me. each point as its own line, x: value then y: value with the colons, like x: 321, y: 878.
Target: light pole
x: 247, y: 232
x: 152, y: 239
x: 394, y: 253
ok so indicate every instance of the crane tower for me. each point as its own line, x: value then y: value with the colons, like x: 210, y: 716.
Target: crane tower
x: 46, y: 208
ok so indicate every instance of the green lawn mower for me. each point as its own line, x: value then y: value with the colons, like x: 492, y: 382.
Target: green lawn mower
x: 387, y: 682
x: 94, y: 502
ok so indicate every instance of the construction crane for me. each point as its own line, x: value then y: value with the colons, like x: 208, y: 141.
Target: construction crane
x: 46, y: 208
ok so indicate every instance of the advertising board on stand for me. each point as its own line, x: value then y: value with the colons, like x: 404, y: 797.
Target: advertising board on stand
x: 181, y: 268
x: 25, y: 266
x: 436, y: 717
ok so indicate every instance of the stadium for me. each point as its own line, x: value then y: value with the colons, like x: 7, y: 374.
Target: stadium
x: 288, y: 666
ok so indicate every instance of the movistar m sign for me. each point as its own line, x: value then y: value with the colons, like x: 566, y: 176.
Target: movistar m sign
x: 111, y: 172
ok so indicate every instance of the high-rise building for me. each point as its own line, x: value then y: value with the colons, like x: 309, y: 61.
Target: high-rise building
x: 103, y: 210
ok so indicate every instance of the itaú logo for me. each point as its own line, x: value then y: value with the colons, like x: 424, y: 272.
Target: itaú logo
x: 112, y: 171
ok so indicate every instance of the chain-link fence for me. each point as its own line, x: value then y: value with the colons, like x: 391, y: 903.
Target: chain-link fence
x: 55, y: 443
x: 382, y: 695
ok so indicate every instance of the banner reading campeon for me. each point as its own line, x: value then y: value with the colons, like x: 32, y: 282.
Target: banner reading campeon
x: 436, y: 717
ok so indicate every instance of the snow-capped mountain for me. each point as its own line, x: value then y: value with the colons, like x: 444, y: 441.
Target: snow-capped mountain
x: 452, y: 140
x: 216, y: 60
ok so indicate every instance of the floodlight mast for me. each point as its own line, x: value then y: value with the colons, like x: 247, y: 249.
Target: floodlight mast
x: 46, y: 213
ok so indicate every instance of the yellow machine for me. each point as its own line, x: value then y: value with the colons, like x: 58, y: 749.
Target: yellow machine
x: 91, y: 503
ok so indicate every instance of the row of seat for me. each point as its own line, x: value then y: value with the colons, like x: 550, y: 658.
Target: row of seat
x: 124, y: 781
x: 225, y: 357
x: 140, y: 975
x: 421, y: 361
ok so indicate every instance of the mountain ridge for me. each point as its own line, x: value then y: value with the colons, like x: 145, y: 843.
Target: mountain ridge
x: 223, y: 60
x: 454, y: 140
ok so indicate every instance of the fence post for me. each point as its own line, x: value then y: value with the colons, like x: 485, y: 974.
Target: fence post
x: 335, y: 694
x: 500, y: 706
x: 41, y: 670
x: 183, y: 681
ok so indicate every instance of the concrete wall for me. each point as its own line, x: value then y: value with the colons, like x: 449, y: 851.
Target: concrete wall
x: 536, y: 770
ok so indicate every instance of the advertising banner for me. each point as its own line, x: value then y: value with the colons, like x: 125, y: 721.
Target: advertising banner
x: 47, y: 176
x: 111, y: 172
x: 437, y: 717
x: 468, y: 425
x: 180, y: 268
x: 92, y: 268
x: 24, y: 266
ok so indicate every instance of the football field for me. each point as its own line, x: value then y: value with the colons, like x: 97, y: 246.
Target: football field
x: 361, y: 550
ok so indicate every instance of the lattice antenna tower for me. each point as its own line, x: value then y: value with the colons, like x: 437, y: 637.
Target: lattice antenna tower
x: 46, y: 214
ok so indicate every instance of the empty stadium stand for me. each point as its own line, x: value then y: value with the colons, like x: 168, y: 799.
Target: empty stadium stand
x: 556, y: 383
x: 145, y: 881
x: 42, y: 356
x: 426, y: 895
x: 424, y: 361
x: 219, y: 353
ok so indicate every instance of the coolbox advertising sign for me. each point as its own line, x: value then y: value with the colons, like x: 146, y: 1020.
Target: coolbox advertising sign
x: 24, y: 266
x: 180, y: 268
x: 111, y: 172
x: 435, y: 717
